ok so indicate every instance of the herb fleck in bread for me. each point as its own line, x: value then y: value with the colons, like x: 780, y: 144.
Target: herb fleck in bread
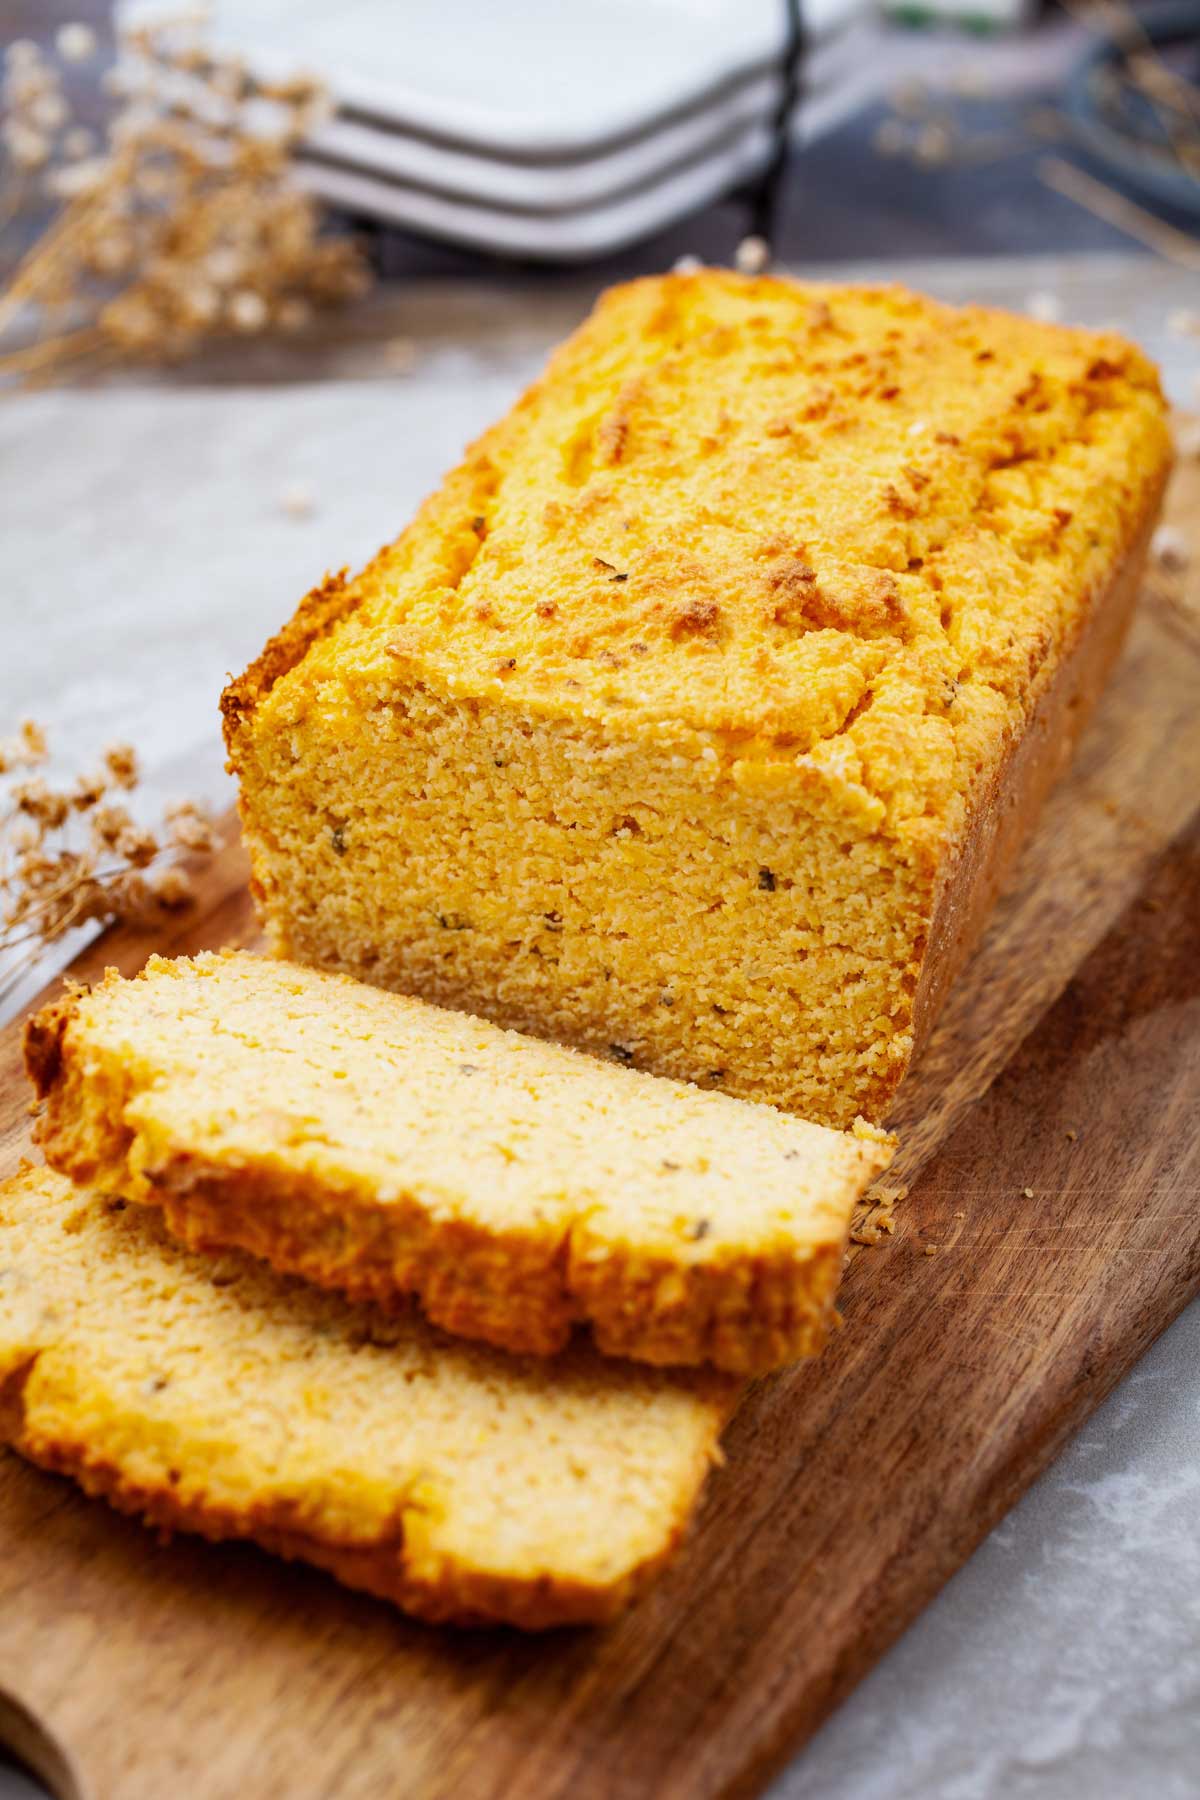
x: 380, y: 1145
x: 699, y: 714
x: 218, y: 1397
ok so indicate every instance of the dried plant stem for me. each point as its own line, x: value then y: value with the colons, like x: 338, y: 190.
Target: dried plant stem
x: 11, y: 201
x: 180, y: 222
x: 59, y: 891
x: 1173, y: 99
x: 1121, y: 24
x: 51, y: 372
x: 1106, y: 203
x: 50, y: 936
x: 39, y: 266
x: 52, y: 350
x: 45, y: 249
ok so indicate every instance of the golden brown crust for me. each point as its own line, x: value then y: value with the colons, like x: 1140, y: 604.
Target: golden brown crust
x: 1005, y: 809
x: 747, y: 1317
x: 744, y: 500
x: 447, y: 1595
x: 752, y: 1317
x: 443, y: 538
x: 97, y: 1137
x: 223, y: 1400
x: 523, y: 1287
x: 43, y: 1039
x: 323, y: 608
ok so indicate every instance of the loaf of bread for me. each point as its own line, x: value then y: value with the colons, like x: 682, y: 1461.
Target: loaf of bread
x: 697, y: 717
x: 215, y: 1396
x: 382, y: 1146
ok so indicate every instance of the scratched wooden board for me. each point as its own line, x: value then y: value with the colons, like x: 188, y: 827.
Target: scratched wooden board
x: 1052, y: 1143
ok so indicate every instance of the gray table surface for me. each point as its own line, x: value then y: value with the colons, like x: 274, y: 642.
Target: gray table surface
x: 148, y: 552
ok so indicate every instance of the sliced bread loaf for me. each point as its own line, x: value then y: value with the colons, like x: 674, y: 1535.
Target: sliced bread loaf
x: 704, y: 707
x: 379, y: 1145
x: 221, y: 1398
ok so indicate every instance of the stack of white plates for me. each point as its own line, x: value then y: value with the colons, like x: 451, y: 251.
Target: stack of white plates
x: 553, y: 129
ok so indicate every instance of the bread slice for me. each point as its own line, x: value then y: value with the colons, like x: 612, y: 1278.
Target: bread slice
x: 218, y: 1397
x: 383, y: 1146
x: 702, y: 710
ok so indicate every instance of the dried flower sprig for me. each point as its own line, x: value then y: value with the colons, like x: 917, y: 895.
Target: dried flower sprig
x: 184, y: 226
x: 932, y: 126
x: 74, y: 855
x: 1096, y: 197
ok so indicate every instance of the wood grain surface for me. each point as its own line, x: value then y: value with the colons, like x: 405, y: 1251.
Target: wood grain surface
x: 1052, y: 1144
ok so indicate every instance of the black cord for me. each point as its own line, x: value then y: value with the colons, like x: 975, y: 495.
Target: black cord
x: 765, y: 196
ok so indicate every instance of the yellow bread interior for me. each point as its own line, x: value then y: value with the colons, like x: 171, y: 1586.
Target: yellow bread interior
x: 664, y: 726
x: 216, y: 1396
x: 381, y: 1145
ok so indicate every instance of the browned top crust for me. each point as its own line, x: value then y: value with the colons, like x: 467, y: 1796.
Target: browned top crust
x: 849, y: 525
x: 317, y: 615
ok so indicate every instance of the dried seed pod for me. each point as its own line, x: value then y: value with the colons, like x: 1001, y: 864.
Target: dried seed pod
x: 121, y: 762
x: 128, y: 872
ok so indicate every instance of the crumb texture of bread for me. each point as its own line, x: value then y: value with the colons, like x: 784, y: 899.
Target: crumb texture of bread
x: 681, y: 721
x: 217, y: 1397
x: 376, y: 1144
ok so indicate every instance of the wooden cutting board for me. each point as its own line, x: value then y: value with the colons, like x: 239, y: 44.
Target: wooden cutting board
x: 1052, y: 1233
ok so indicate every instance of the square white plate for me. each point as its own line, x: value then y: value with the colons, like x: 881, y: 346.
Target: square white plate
x: 526, y: 80
x: 561, y: 237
